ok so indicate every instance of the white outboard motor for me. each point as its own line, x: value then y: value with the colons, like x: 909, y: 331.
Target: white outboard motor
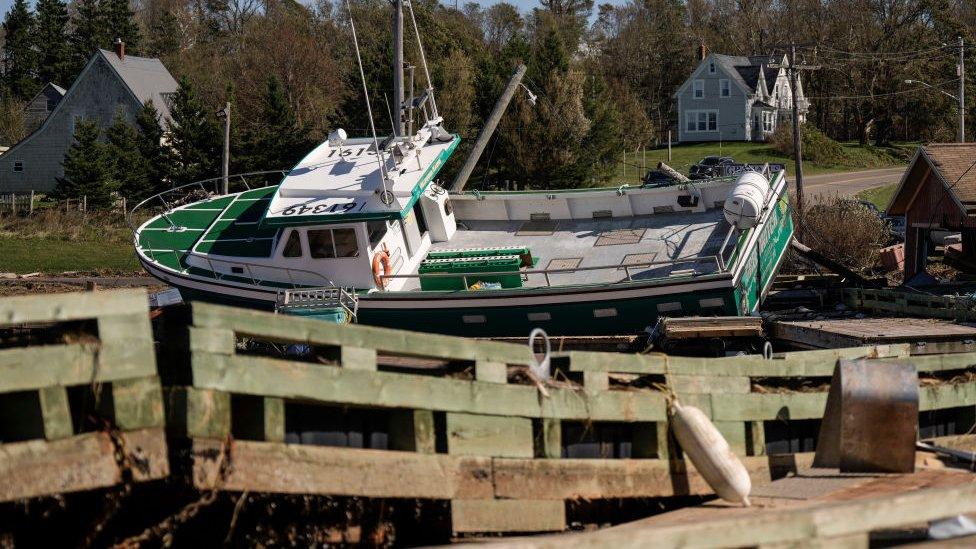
x: 746, y: 199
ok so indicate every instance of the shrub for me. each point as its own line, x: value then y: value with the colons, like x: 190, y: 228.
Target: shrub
x: 844, y: 230
x: 817, y: 147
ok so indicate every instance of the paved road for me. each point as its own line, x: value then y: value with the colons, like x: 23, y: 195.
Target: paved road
x: 848, y: 183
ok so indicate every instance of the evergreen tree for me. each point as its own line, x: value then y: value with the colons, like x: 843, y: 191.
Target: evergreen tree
x: 19, y: 57
x: 130, y: 168
x: 163, y: 38
x: 194, y: 139
x: 151, y: 147
x: 119, y: 23
x: 88, y: 168
x: 89, y: 32
x: 276, y: 140
x: 53, y: 50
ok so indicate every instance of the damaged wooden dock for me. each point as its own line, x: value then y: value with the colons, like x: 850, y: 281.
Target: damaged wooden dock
x: 275, y: 404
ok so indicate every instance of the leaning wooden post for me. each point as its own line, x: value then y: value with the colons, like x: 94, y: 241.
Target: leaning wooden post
x: 13, y: 204
x: 32, y: 203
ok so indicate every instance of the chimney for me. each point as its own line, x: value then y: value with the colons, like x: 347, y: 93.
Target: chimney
x: 120, y: 49
x: 702, y: 51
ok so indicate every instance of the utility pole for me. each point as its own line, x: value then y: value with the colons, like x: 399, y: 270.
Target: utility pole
x: 793, y: 72
x: 225, y: 113
x: 962, y: 91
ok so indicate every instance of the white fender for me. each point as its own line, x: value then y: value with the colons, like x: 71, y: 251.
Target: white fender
x: 710, y: 453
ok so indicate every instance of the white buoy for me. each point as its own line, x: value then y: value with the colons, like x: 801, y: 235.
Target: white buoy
x: 746, y: 199
x: 710, y: 453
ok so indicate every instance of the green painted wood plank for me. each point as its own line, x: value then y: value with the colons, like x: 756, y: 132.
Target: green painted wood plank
x: 55, y: 413
x: 193, y: 412
x: 191, y: 219
x: 215, y: 203
x: 492, y: 436
x: 239, y: 248
x: 212, y: 340
x: 72, y: 306
x: 948, y: 395
x: 493, y: 372
x: 138, y: 403
x: 413, y: 431
x: 293, y: 380
x: 304, y: 330
x: 768, y: 406
x: 26, y: 368
x: 168, y: 240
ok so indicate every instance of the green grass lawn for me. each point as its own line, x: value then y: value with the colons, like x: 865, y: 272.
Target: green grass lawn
x: 879, y: 196
x: 53, y: 255
x: 683, y: 156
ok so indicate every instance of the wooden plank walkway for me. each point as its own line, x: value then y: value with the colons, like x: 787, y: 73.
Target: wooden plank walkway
x: 815, y: 507
x: 925, y: 335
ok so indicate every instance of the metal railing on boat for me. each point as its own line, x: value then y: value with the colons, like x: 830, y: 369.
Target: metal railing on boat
x: 718, y: 260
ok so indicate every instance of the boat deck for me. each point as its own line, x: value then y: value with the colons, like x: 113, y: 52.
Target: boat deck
x: 683, y: 243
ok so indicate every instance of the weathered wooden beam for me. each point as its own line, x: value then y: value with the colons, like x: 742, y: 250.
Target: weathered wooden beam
x: 260, y: 324
x: 413, y: 431
x: 295, y: 380
x: 507, y: 515
x: 83, y: 462
x: 621, y: 478
x: 193, y: 412
x: 25, y: 368
x: 479, y: 435
x: 138, y: 403
x: 71, y: 306
x: 55, y: 413
x: 297, y: 469
x: 800, y: 526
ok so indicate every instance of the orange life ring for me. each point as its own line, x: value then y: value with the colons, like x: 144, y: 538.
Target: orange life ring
x: 381, y: 267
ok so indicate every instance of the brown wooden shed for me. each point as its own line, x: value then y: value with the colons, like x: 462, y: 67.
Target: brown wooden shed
x: 937, y: 193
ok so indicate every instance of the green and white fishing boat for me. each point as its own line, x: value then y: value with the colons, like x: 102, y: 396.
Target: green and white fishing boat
x: 361, y: 224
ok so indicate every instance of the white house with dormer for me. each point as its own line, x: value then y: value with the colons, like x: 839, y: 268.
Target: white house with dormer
x: 736, y: 98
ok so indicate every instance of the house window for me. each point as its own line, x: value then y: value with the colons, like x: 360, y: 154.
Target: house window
x: 332, y: 243
x: 18, y: 166
x: 711, y: 68
x: 767, y: 122
x: 701, y: 121
x: 699, y: 89
x: 725, y: 90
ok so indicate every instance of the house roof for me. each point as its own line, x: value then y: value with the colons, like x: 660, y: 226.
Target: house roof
x: 146, y: 77
x: 57, y: 88
x: 750, y: 68
x: 954, y: 163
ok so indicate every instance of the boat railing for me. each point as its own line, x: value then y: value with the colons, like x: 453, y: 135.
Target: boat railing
x: 165, y: 202
x: 547, y: 274
x: 328, y: 297
x: 249, y: 268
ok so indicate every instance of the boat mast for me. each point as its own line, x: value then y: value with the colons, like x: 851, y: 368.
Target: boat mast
x: 398, y: 66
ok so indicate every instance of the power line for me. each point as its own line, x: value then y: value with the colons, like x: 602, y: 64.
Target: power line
x: 886, y: 94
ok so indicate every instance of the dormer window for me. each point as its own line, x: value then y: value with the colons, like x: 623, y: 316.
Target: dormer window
x: 699, y: 89
x: 711, y: 68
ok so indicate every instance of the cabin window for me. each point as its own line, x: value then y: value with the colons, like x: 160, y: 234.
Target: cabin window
x: 724, y: 89
x: 18, y: 166
x: 376, y: 230
x: 331, y: 243
x: 699, y: 89
x: 293, y: 247
x: 345, y: 243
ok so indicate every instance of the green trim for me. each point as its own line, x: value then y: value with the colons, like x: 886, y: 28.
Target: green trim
x: 415, y: 195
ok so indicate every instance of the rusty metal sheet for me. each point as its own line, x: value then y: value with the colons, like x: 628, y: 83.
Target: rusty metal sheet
x: 871, y: 420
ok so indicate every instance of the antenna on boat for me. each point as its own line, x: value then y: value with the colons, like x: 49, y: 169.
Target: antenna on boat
x: 423, y: 61
x: 398, y: 66
x: 369, y: 109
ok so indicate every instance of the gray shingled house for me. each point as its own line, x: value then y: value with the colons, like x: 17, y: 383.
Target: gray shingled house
x: 736, y: 98
x: 111, y: 82
x: 43, y: 104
